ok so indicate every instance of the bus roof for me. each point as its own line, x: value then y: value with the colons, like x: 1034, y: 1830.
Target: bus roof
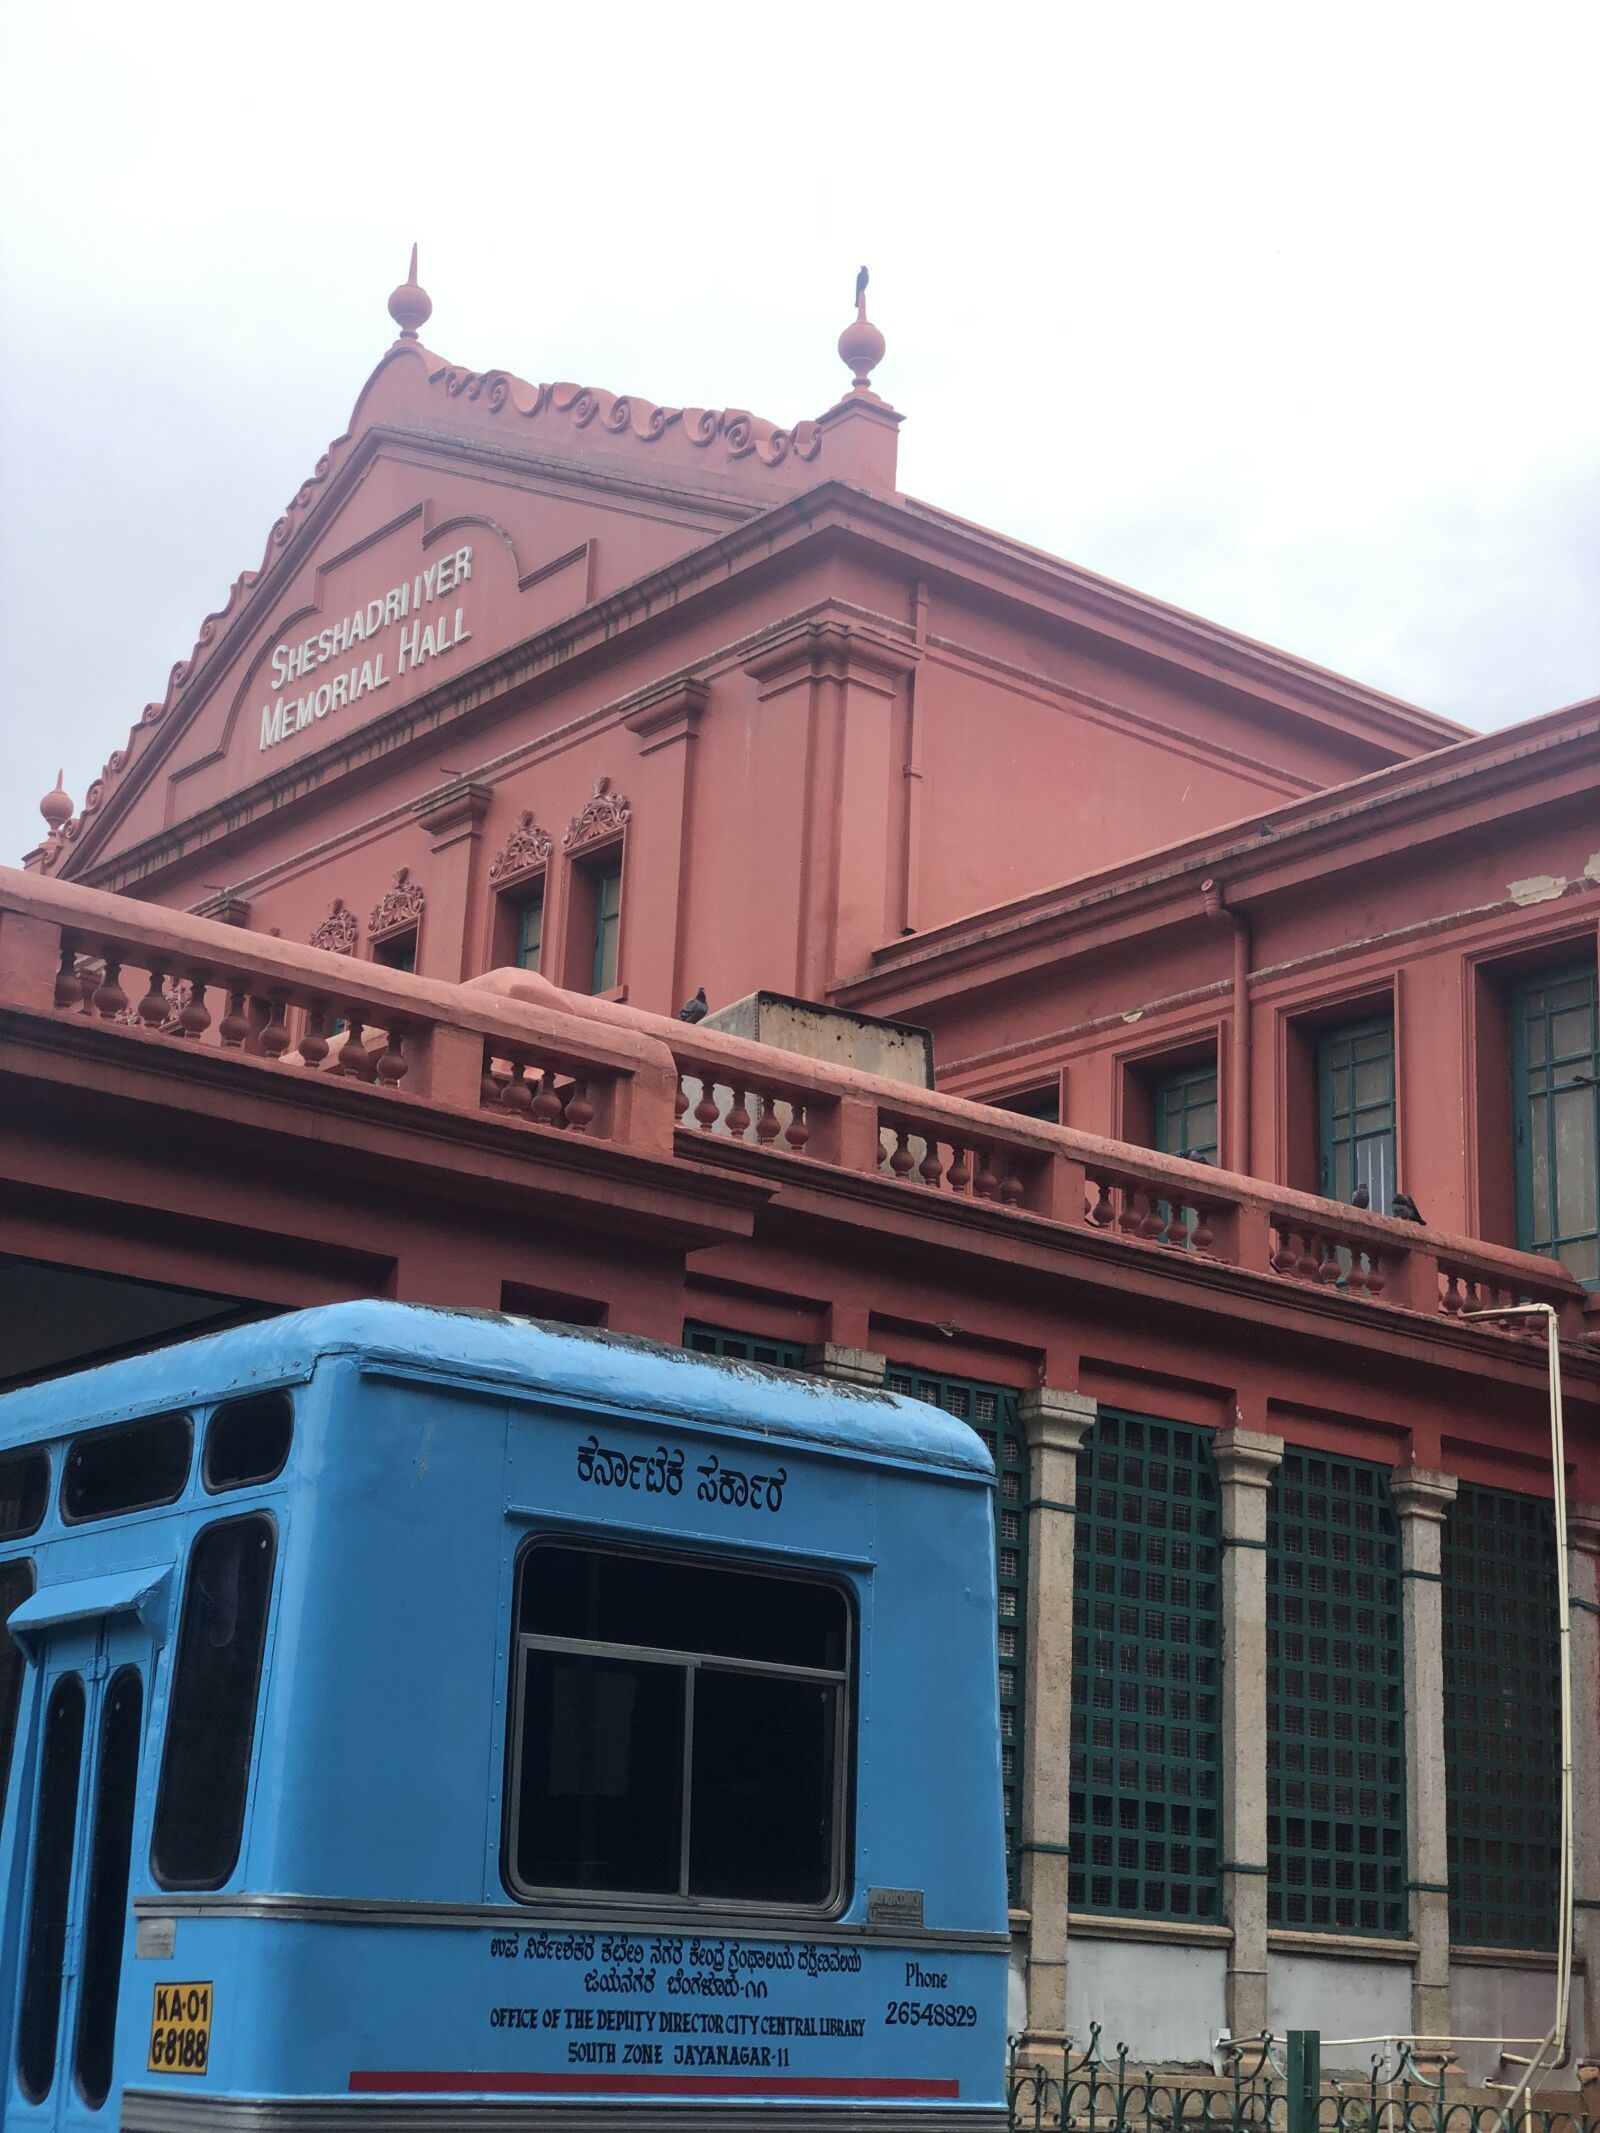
x: 608, y: 1371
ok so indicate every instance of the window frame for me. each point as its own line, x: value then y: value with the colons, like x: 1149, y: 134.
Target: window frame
x: 681, y: 1900
x: 111, y: 1430
x: 1184, y: 1077
x: 1523, y: 1094
x: 1330, y: 1137
x: 606, y: 873
x: 529, y: 894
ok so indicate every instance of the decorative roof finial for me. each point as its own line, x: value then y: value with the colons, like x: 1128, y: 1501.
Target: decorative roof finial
x: 861, y: 345
x: 56, y: 808
x: 410, y: 306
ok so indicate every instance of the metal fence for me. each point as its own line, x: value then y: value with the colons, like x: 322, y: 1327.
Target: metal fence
x: 1262, y: 2089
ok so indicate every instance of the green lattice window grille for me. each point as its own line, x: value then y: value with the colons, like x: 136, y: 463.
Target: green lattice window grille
x: 1146, y: 1774
x: 992, y: 1412
x: 1336, y: 1773
x: 743, y: 1347
x: 1355, y: 1099
x: 1502, y: 1719
x: 1555, y: 1066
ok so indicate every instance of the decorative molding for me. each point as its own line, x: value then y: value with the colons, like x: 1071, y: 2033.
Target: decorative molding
x: 1418, y: 1492
x: 1246, y: 1458
x: 339, y: 931
x: 527, y: 847
x: 740, y: 434
x: 606, y: 815
x: 453, y: 811
x: 670, y: 711
x: 398, y: 907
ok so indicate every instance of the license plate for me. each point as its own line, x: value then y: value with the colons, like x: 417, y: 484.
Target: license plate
x: 180, y: 2029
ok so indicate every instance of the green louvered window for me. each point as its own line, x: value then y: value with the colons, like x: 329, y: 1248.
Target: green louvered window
x: 1555, y: 1061
x: 992, y: 1412
x: 1336, y: 1776
x: 1146, y: 1779
x: 1184, y: 1111
x: 1356, y: 1108
x: 743, y: 1347
x: 1502, y: 1719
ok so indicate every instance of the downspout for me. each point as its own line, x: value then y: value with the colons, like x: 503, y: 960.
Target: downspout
x: 1236, y: 1155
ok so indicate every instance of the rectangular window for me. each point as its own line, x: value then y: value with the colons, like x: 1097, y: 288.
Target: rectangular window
x: 607, y: 925
x: 1355, y: 1105
x: 1502, y: 1719
x: 679, y: 1730
x: 992, y: 1412
x: 1042, y: 1104
x: 1336, y: 1800
x: 211, y: 1719
x: 744, y: 1347
x: 398, y: 952
x: 530, y: 929
x: 1146, y: 1644
x: 129, y: 1467
x: 1184, y: 1107
x: 1555, y: 1066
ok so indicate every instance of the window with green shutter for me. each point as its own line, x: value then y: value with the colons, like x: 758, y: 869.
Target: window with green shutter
x: 1184, y: 1111
x: 1555, y: 1066
x: 1336, y: 1777
x: 530, y: 929
x: 743, y: 1347
x: 1502, y: 1718
x: 1355, y: 1096
x: 992, y: 1412
x: 1146, y: 1776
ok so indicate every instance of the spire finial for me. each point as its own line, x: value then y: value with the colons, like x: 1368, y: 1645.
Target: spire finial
x: 410, y: 306
x: 861, y: 345
x: 56, y: 808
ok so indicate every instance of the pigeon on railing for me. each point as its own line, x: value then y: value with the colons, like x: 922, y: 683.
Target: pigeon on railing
x: 694, y: 1010
x: 1404, y: 1208
x: 1362, y: 1196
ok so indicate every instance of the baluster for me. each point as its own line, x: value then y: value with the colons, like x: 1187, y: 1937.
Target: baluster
x: 234, y: 1027
x: 580, y: 1112
x: 986, y: 1184
x: 1102, y: 1214
x: 1128, y: 1217
x: 1011, y: 1185
x: 961, y: 1170
x: 1284, y: 1259
x: 1202, y: 1236
x: 1377, y: 1273
x: 109, y: 998
x: 314, y: 1037
x: 902, y: 1160
x: 392, y: 1061
x: 798, y: 1132
x: 767, y: 1126
x: 930, y: 1169
x: 194, y: 1018
x: 707, y: 1110
x: 1152, y: 1223
x: 1177, y: 1229
x: 152, y: 1009
x: 352, y: 1058
x: 492, y: 1087
x: 738, y: 1117
x: 547, y: 1104
x: 1327, y: 1261
x: 1356, y: 1278
x: 275, y: 1037
x: 680, y: 1101
x: 88, y: 980
x: 68, y: 991
x: 516, y: 1095
x: 1452, y: 1299
x: 1309, y: 1264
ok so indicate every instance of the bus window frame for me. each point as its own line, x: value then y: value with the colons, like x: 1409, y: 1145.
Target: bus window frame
x: 680, y: 1903
x: 18, y: 1455
x: 73, y: 1519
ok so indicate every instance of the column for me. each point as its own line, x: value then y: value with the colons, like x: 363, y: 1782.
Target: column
x: 1055, y: 1424
x: 1246, y: 1460
x: 448, y: 940
x: 1583, y: 1585
x: 1421, y: 1500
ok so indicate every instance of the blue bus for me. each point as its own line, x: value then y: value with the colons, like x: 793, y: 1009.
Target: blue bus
x: 410, y: 1716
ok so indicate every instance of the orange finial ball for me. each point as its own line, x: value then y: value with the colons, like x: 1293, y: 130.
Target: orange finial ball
x: 410, y: 306
x: 861, y: 345
x: 56, y: 808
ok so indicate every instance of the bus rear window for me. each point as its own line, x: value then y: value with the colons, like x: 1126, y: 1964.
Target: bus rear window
x: 132, y: 1466
x: 24, y: 1492
x: 247, y: 1441
x: 680, y: 1730
x: 205, y: 1766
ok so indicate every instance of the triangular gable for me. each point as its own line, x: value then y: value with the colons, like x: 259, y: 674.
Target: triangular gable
x: 460, y: 514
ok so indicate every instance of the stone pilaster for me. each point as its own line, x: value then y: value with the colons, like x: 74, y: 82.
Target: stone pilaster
x: 848, y: 1366
x: 1055, y: 1424
x: 1583, y: 1586
x: 1246, y: 1460
x: 1421, y: 1500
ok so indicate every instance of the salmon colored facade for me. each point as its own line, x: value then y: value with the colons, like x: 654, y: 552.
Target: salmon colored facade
x: 545, y: 708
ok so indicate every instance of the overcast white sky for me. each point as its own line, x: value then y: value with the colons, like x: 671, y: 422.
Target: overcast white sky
x: 1289, y: 315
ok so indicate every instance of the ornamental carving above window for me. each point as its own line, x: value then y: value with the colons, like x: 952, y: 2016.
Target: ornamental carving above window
x: 397, y: 907
x: 606, y: 815
x: 338, y: 931
x: 528, y: 846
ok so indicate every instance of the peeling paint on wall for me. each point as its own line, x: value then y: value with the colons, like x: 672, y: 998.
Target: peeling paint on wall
x: 1591, y: 867
x: 1537, y: 889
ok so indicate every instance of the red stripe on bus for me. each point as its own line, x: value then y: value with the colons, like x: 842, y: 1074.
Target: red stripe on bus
x: 368, y: 2082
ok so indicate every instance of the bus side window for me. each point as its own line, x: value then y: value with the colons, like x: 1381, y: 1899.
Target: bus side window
x: 16, y: 1585
x: 247, y: 1441
x: 24, y: 1493
x: 130, y: 1467
x: 681, y: 1729
x: 205, y: 1766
